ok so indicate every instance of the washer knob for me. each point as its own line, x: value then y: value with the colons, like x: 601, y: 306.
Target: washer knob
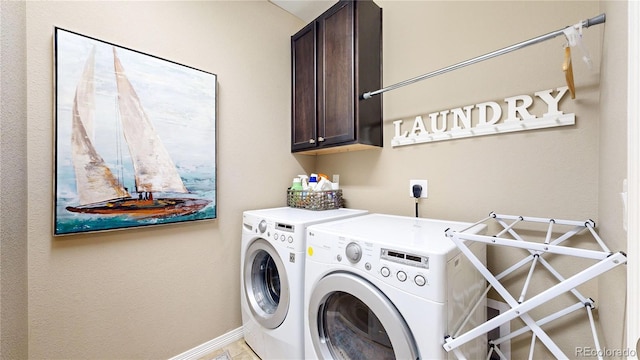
x: 353, y: 252
x: 262, y: 227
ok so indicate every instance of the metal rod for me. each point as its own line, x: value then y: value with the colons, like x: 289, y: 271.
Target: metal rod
x: 560, y: 278
x: 598, y: 239
x: 541, y: 322
x: 523, y: 293
x: 594, y: 332
x: 540, y: 220
x: 481, y: 299
x: 548, y: 238
x: 533, y: 344
x: 490, y: 352
x: 538, y: 247
x: 507, y: 227
x: 477, y: 223
x: 497, y: 350
x: 586, y: 23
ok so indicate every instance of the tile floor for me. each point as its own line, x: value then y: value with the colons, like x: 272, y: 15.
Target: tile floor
x: 238, y: 350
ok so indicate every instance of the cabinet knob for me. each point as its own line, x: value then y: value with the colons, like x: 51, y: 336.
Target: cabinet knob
x: 312, y: 141
x: 320, y: 139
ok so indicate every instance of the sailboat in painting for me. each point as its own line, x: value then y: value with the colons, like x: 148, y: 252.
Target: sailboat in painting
x: 99, y: 191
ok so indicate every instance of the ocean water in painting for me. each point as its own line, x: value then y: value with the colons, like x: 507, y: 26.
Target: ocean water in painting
x: 180, y: 103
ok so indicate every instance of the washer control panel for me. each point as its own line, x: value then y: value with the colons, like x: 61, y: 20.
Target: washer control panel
x: 278, y: 233
x: 283, y: 233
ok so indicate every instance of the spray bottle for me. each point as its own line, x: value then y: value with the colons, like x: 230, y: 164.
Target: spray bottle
x: 304, y: 179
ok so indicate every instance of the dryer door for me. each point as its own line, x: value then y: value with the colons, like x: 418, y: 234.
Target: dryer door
x: 351, y: 319
x: 265, y: 284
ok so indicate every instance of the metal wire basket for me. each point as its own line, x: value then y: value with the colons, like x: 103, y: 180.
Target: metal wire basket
x: 315, y: 200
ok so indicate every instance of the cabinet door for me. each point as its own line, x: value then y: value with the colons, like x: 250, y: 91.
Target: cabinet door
x: 304, y: 89
x: 336, y: 92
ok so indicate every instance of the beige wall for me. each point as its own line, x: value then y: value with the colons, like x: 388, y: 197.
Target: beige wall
x: 613, y: 169
x: 13, y: 176
x: 155, y: 292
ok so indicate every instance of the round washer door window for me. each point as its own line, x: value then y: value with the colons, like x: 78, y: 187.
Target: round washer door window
x: 265, y: 284
x: 354, y: 320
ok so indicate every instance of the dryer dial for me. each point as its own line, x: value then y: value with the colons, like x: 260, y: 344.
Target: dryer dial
x: 353, y: 252
x: 262, y: 226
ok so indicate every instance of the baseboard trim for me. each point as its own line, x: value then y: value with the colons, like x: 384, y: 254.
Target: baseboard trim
x: 211, y: 345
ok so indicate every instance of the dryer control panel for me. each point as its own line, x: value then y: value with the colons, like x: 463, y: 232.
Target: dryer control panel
x: 412, y: 272
x: 405, y: 258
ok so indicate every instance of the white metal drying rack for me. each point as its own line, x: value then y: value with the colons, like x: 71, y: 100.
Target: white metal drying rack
x: 606, y: 260
x: 599, y: 19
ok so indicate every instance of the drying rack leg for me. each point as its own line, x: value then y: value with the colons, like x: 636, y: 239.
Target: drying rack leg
x: 594, y: 332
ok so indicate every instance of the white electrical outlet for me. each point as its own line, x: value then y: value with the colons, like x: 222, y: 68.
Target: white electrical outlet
x: 422, y: 183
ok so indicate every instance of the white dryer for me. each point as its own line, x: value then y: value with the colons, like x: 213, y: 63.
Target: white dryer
x: 389, y: 287
x: 272, y: 277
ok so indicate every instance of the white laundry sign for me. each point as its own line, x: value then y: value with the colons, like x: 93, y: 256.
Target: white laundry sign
x: 485, y: 119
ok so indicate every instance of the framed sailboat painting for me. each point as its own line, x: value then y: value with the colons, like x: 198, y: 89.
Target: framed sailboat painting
x: 135, y: 138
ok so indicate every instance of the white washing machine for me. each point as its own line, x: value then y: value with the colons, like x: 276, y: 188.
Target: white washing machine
x: 389, y: 287
x: 272, y: 277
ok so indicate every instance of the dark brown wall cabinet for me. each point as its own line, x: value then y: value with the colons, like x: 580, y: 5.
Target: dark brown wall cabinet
x: 335, y: 59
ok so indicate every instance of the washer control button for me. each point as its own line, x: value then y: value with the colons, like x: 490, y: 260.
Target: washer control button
x: 420, y: 280
x: 401, y: 275
x: 275, y: 236
x: 339, y: 257
x: 282, y: 237
x: 385, y: 271
x: 367, y: 266
x: 290, y: 239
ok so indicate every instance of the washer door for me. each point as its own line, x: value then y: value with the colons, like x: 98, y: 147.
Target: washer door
x: 351, y: 319
x: 265, y: 284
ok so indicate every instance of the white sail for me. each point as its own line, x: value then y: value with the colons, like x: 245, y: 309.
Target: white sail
x: 154, y: 169
x: 94, y: 180
x: 85, y: 95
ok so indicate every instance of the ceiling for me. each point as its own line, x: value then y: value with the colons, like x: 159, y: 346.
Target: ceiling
x: 306, y: 10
